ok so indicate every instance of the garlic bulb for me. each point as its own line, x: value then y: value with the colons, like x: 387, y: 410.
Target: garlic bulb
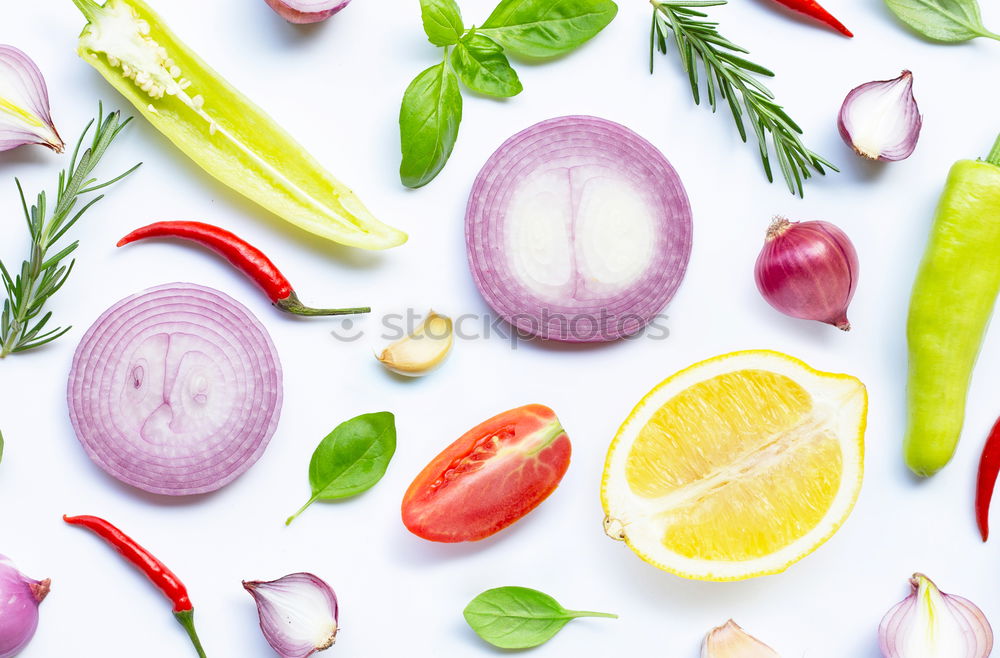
x: 931, y: 624
x: 880, y: 120
x: 421, y: 351
x: 731, y: 641
x: 298, y: 613
x: 24, y: 103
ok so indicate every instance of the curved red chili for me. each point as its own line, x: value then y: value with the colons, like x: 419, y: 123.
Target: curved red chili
x: 241, y: 254
x: 989, y: 468
x: 157, y: 572
x: 815, y: 10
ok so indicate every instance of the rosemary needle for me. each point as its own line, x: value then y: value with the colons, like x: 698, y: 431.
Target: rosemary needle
x: 42, y: 274
x: 735, y: 80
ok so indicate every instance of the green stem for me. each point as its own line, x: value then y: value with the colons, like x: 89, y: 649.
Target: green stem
x: 994, y: 156
x: 88, y: 8
x: 585, y: 613
x: 186, y: 619
x: 291, y: 304
x: 312, y: 500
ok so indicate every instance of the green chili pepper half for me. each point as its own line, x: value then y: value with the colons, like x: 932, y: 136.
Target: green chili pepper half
x: 953, y: 298
x: 218, y: 127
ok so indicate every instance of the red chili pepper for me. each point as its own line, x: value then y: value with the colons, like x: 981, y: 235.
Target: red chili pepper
x: 815, y: 10
x: 989, y: 468
x: 244, y: 256
x: 156, y: 571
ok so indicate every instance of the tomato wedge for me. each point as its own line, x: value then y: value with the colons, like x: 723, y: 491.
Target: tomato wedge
x: 490, y: 477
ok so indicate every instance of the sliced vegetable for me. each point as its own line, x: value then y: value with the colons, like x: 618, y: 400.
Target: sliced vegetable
x: 989, y: 469
x: 519, y: 617
x: 24, y: 104
x: 700, y: 45
x: 931, y: 623
x: 813, y: 9
x: 491, y: 477
x: 44, y: 271
x: 352, y: 458
x: 731, y: 641
x: 591, y: 256
x: 20, y: 597
x: 808, y: 270
x: 298, y: 613
x: 432, y: 105
x: 951, y: 304
x: 157, y: 572
x: 423, y: 350
x: 244, y: 256
x: 220, y: 129
x: 175, y: 390
x: 942, y: 20
x: 306, y: 11
x: 880, y: 120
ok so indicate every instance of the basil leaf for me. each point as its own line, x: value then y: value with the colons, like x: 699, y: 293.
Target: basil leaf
x: 1, y: 446
x: 482, y: 67
x: 352, y: 458
x: 942, y: 20
x: 519, y: 617
x: 442, y: 21
x: 546, y: 28
x: 428, y: 124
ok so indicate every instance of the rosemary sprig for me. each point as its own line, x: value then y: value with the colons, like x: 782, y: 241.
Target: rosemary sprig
x: 42, y: 275
x: 733, y: 79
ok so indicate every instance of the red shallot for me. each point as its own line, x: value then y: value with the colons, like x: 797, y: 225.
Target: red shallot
x: 808, y: 270
x: 24, y: 103
x: 880, y: 120
x: 19, y: 600
x: 298, y: 613
x: 306, y: 11
x: 175, y: 390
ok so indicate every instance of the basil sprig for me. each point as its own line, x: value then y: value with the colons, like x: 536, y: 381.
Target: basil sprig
x: 949, y: 21
x: 519, y: 617
x: 432, y: 105
x: 352, y: 458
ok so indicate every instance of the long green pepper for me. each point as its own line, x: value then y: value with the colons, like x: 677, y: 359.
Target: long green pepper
x: 219, y: 128
x: 952, y: 301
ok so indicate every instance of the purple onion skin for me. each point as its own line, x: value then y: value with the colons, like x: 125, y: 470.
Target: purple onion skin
x: 19, y: 600
x: 808, y: 270
x: 288, y: 11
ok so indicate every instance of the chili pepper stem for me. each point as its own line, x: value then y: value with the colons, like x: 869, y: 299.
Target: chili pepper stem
x: 291, y: 304
x: 186, y: 619
x: 994, y: 156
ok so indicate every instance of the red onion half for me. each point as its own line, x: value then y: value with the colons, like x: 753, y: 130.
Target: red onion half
x: 306, y: 11
x: 578, y: 230
x: 175, y: 390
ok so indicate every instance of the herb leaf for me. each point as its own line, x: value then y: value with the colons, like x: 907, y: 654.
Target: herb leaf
x: 1, y: 446
x: 428, y: 124
x: 482, y: 67
x: 547, y: 28
x: 442, y: 21
x: 942, y: 20
x: 352, y: 458
x: 519, y: 617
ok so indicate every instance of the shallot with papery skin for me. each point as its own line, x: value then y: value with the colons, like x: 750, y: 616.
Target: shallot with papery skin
x: 298, y: 613
x: 931, y: 624
x: 731, y: 641
x: 24, y: 104
x: 808, y: 270
x: 306, y: 11
x: 19, y: 600
x: 880, y: 120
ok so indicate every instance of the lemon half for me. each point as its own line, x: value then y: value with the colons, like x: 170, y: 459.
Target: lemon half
x: 738, y: 466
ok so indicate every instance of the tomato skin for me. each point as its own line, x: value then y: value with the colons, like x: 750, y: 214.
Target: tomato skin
x: 492, y: 476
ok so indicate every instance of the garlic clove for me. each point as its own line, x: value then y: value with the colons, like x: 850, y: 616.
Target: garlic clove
x: 731, y: 641
x: 24, y: 104
x: 298, y: 613
x: 306, y: 11
x: 423, y: 350
x: 931, y: 624
x: 880, y: 120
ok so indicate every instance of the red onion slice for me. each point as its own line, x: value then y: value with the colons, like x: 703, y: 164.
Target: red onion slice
x: 578, y: 230
x: 175, y: 390
x: 306, y: 11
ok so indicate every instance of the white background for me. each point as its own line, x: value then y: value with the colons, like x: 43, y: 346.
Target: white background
x: 337, y: 88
